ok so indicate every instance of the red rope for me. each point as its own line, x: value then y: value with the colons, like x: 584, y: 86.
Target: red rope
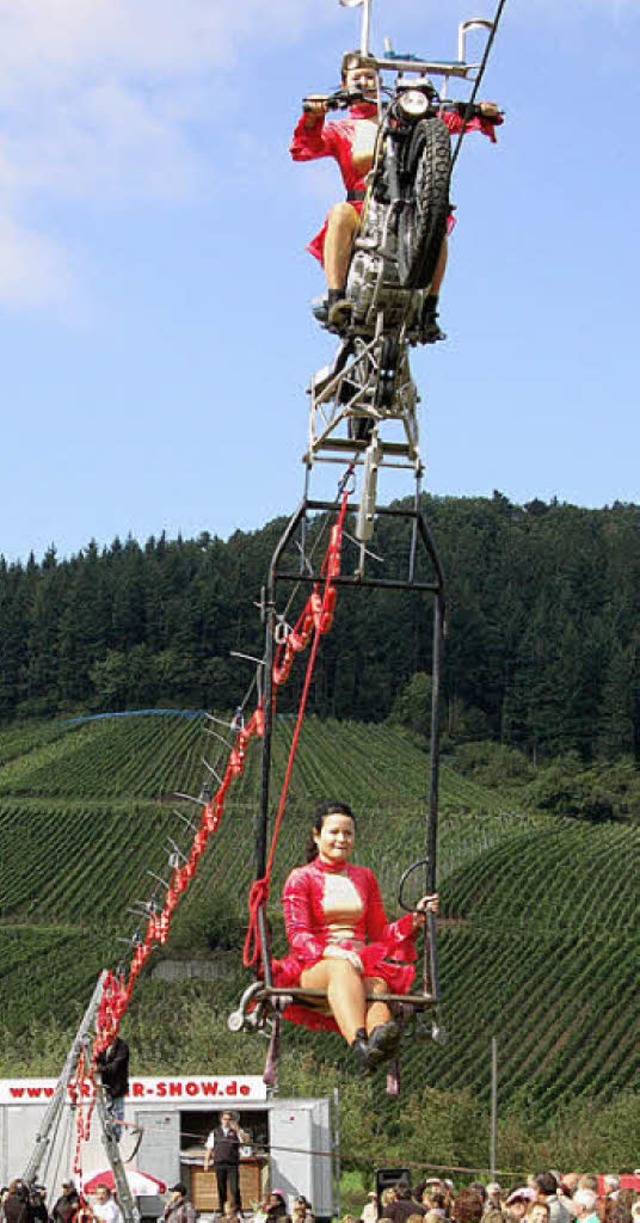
x: 318, y: 611
x: 315, y: 620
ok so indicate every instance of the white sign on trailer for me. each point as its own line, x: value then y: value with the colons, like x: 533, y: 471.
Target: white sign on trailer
x: 193, y: 1088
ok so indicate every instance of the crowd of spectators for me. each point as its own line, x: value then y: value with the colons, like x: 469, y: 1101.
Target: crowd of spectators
x: 21, y: 1203
x: 547, y: 1197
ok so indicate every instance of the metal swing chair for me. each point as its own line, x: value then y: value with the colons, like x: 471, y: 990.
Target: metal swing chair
x: 263, y: 1004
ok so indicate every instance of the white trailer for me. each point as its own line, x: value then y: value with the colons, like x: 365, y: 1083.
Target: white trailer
x: 293, y: 1142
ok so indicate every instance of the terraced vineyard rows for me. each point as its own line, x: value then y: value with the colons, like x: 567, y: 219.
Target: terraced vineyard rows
x: 580, y: 855
x: 139, y: 756
x: 48, y: 972
x: 19, y: 740
x: 542, y: 947
x: 84, y: 862
x: 549, y: 1002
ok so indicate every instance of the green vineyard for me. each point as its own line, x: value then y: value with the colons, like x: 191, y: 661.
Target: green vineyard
x: 538, y: 945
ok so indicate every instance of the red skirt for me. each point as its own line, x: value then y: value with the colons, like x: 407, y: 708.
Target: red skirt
x: 287, y: 973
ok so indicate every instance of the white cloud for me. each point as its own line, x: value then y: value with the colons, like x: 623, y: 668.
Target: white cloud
x: 46, y: 38
x: 35, y: 272
x: 98, y: 99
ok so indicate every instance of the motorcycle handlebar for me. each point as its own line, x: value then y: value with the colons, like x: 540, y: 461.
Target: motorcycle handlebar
x: 339, y: 100
x: 343, y: 98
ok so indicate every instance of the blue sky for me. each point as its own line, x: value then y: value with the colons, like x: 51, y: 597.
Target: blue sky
x: 155, y: 337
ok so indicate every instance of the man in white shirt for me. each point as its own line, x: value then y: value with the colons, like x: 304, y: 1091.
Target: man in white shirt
x: 222, y: 1148
x: 105, y: 1208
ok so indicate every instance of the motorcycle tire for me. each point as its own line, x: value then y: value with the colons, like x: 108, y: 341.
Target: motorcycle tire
x: 422, y: 224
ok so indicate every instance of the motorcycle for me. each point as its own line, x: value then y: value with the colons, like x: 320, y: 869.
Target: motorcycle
x: 405, y: 218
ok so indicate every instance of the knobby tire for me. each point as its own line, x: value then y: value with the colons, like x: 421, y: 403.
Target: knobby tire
x: 422, y: 223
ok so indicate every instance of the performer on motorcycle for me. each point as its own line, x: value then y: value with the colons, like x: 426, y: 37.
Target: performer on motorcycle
x: 351, y: 142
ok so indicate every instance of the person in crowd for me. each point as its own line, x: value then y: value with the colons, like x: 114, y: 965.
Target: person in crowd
x: 567, y: 1185
x: 431, y: 1184
x: 67, y: 1204
x: 616, y: 1212
x: 585, y: 1200
x: 467, y: 1206
x: 340, y: 940
x: 539, y: 1212
x: 611, y: 1185
x: 105, y: 1208
x: 276, y: 1207
x: 179, y: 1209
x: 113, y: 1064
x: 404, y: 1204
x: 493, y: 1203
x: 351, y: 142
x: 369, y: 1213
x: 16, y: 1206
x: 222, y: 1148
x: 546, y: 1184
x: 37, y: 1198
x: 434, y: 1198
x: 518, y: 1203
x: 301, y: 1211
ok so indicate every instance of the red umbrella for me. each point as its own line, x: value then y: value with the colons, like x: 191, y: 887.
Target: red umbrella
x: 141, y: 1184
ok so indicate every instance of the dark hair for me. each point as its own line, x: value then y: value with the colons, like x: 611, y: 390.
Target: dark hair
x: 325, y: 808
x: 350, y: 59
x: 354, y: 59
x: 617, y: 1212
x: 478, y: 1187
x: 467, y: 1206
x: 546, y: 1183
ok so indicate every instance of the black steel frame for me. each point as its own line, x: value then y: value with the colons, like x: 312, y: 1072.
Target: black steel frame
x: 421, y: 535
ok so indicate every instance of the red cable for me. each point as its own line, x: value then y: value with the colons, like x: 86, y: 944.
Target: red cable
x: 315, y: 620
x: 323, y: 618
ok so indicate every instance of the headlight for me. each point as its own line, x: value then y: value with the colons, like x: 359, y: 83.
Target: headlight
x: 413, y: 104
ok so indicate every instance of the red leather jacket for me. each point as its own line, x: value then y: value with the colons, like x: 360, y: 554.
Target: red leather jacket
x: 308, y: 934
x: 335, y: 139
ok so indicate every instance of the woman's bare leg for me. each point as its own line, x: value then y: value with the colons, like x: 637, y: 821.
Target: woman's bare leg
x: 342, y: 225
x: 378, y: 1013
x: 345, y: 992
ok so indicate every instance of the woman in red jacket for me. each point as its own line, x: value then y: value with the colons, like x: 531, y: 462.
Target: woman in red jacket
x: 340, y: 940
x: 351, y: 142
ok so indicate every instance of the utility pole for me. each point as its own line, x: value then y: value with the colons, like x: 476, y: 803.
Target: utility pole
x: 494, y: 1107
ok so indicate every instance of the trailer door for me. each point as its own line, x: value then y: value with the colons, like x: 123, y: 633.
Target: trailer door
x: 159, y: 1152
x: 301, y: 1148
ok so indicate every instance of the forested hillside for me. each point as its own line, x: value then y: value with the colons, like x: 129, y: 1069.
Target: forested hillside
x: 542, y: 651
